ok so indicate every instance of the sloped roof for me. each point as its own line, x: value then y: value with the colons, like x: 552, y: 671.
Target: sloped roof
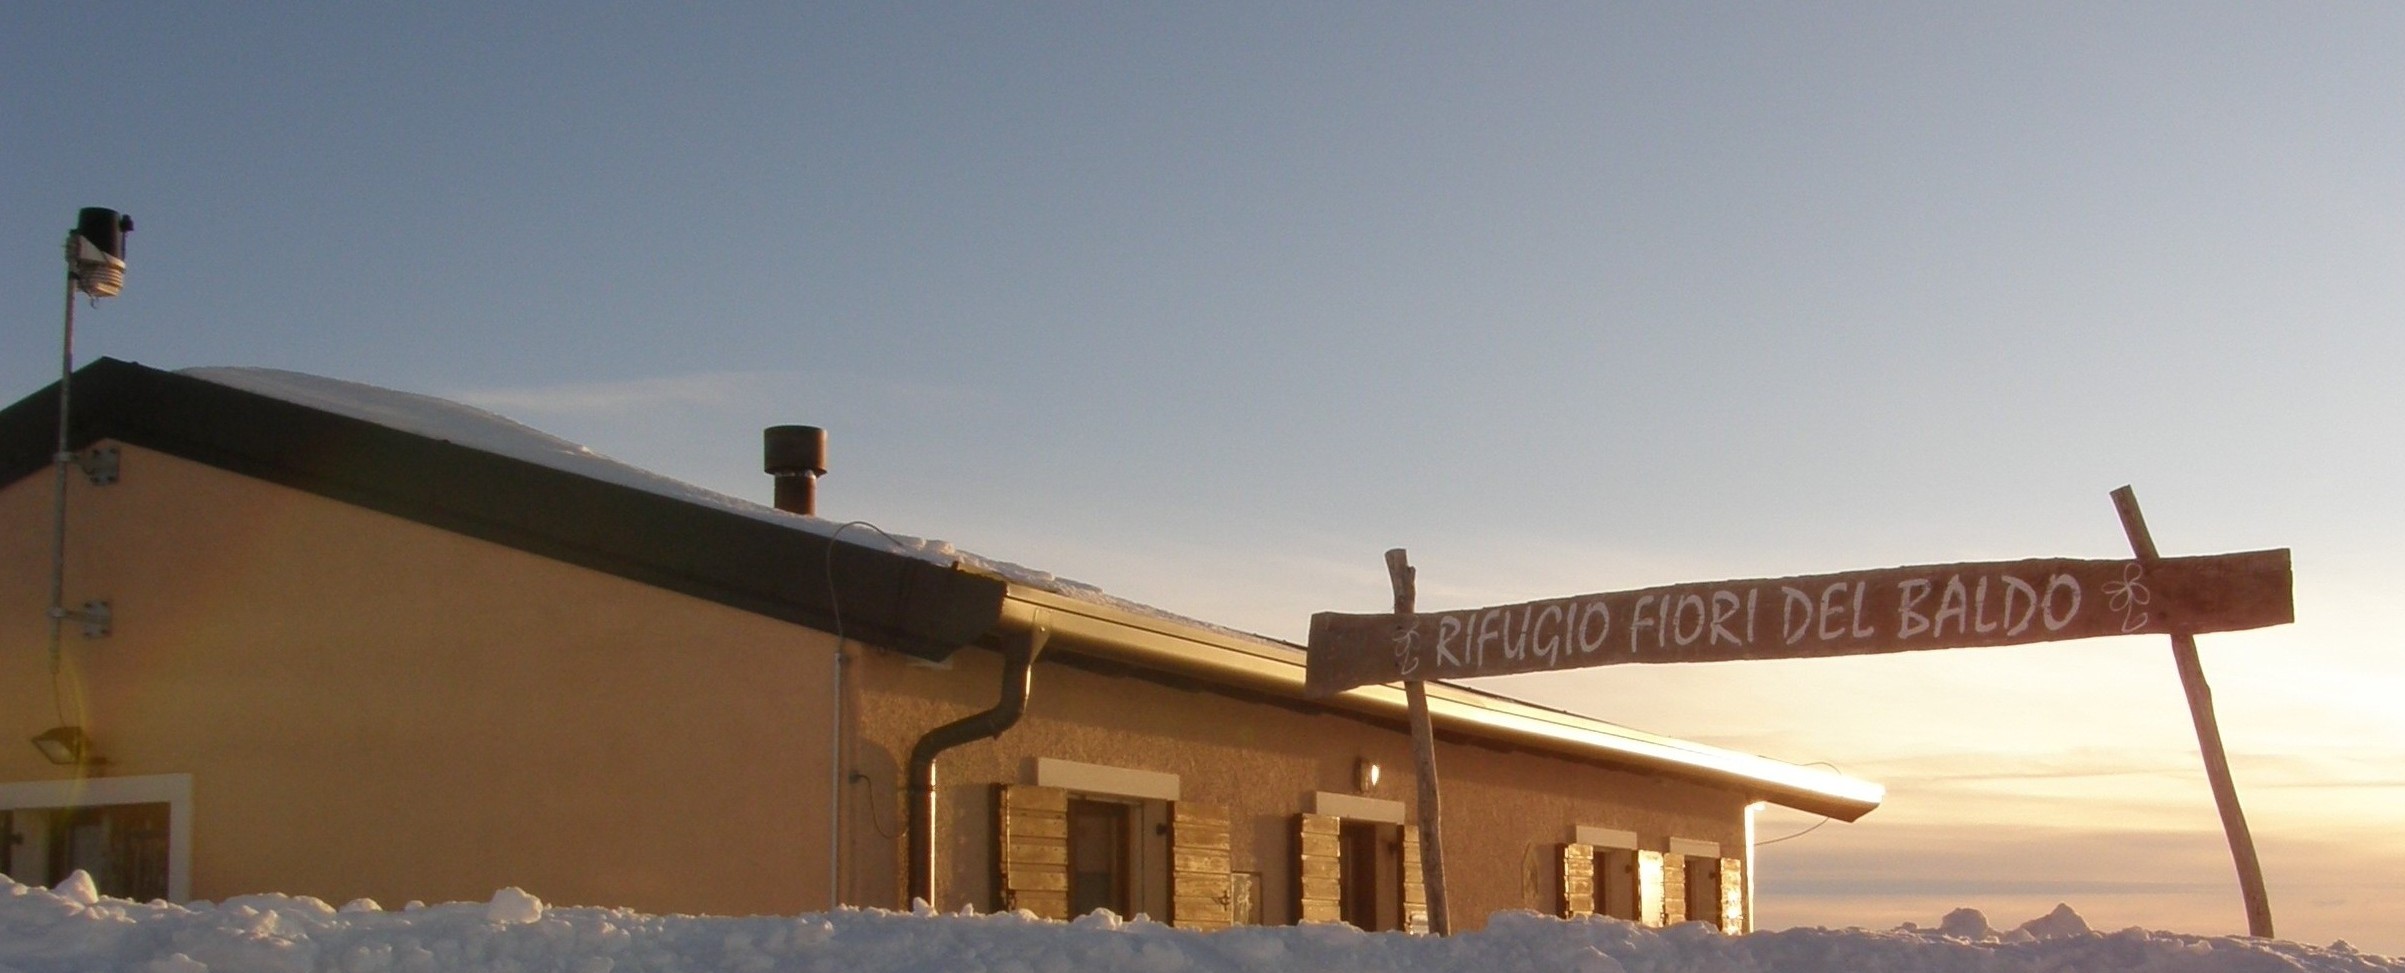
x: 464, y: 469
x: 468, y: 471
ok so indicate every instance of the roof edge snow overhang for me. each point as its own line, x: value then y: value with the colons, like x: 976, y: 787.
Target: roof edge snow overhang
x: 893, y: 600
x: 1166, y: 644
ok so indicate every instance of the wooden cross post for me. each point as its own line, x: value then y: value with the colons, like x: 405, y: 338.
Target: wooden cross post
x: 2208, y: 733
x: 1423, y: 752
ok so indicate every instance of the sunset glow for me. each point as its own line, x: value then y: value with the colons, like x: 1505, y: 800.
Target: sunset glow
x: 1209, y: 306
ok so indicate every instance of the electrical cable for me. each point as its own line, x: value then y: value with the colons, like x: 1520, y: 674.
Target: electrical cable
x: 1824, y: 819
x: 835, y: 605
x: 868, y: 795
x: 1790, y: 837
x: 835, y: 608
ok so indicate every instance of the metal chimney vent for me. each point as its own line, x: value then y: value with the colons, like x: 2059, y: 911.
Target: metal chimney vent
x: 797, y: 457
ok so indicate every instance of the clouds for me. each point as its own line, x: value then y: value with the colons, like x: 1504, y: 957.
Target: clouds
x: 1875, y: 874
x: 2128, y: 836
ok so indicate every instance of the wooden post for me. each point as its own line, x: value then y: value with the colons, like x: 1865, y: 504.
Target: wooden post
x: 1423, y: 752
x: 2208, y: 734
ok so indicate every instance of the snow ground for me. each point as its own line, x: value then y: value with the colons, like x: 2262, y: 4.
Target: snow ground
x: 72, y: 930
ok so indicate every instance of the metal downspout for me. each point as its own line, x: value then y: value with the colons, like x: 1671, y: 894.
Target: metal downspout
x: 837, y: 765
x: 1018, y: 679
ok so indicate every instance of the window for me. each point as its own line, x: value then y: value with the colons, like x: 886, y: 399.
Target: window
x: 1716, y: 892
x: 1062, y: 854
x: 131, y: 834
x: 1616, y: 892
x: 1372, y: 886
x: 1087, y: 836
x: 1703, y: 890
x: 1700, y: 886
x: 1603, y: 874
x: 1099, y: 856
x: 122, y: 846
x: 1357, y: 862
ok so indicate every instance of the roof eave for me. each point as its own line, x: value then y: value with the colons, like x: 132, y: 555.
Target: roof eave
x: 1167, y: 644
x: 894, y: 600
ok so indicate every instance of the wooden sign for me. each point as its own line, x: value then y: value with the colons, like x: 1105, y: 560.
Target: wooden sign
x: 1903, y: 609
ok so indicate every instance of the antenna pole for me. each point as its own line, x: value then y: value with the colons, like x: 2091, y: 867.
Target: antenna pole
x: 61, y: 458
x: 95, y: 253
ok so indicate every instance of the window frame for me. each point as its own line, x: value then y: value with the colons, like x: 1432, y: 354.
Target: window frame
x: 173, y: 790
x: 1148, y: 868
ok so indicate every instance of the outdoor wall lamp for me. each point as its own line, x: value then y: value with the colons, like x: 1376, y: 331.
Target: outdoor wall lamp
x: 66, y: 746
x: 1365, y: 775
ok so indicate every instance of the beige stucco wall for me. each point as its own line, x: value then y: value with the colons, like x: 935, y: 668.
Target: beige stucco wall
x: 372, y: 707
x: 1505, y: 811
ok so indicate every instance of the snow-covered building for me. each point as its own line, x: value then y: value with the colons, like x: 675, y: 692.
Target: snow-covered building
x: 328, y: 639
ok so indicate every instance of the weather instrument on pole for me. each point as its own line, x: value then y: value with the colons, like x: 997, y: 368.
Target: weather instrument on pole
x: 96, y: 251
x: 95, y: 266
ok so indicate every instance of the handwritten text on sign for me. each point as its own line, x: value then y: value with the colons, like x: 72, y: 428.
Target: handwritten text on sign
x: 1855, y: 613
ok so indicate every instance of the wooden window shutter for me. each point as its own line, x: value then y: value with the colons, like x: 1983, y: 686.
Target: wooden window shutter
x: 1649, y: 888
x: 1577, y: 880
x: 1674, y: 888
x: 1202, y: 889
x: 1031, y: 853
x: 1415, y: 884
x: 1732, y: 896
x: 1318, y: 868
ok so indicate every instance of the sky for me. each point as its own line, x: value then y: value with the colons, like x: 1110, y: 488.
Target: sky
x: 1210, y: 305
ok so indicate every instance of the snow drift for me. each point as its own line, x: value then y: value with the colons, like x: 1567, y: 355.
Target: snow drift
x: 72, y: 929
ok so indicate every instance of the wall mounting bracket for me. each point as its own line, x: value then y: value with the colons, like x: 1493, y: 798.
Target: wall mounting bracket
x: 99, y: 465
x: 95, y: 616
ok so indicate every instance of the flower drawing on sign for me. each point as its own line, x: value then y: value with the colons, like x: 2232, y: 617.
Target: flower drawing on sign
x: 1406, y: 640
x: 2127, y: 594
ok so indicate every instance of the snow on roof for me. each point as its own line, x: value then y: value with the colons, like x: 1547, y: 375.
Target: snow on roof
x: 74, y: 929
x: 475, y: 428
